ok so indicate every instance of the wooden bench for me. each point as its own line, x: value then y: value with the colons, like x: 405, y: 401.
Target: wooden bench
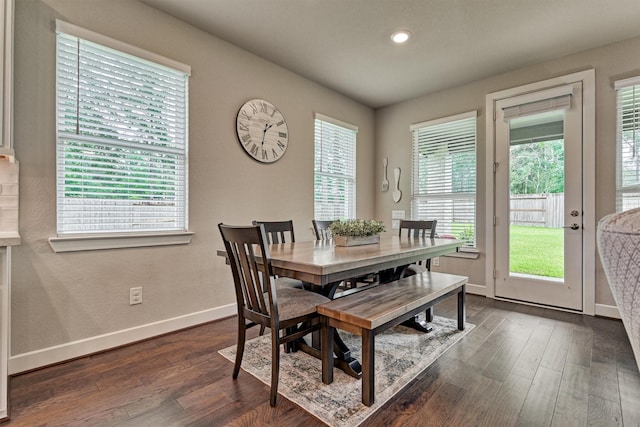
x: 371, y: 311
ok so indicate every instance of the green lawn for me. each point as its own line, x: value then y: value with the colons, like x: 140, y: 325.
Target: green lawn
x: 537, y: 251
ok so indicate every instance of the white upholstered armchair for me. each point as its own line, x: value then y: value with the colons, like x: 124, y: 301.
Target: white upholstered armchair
x: 619, y: 247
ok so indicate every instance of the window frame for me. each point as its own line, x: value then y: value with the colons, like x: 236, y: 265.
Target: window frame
x: 627, y: 93
x: 416, y: 177
x: 348, y: 178
x: 100, y: 239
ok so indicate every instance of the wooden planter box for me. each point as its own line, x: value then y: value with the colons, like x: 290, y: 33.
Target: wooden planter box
x: 356, y: 241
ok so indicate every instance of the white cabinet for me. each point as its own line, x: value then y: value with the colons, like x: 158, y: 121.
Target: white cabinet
x: 8, y: 194
x: 5, y: 299
x: 9, y: 172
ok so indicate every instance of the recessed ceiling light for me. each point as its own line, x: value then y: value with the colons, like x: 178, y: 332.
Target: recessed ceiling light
x: 400, y: 37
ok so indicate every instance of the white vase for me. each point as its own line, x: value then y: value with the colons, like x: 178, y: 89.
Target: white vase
x: 356, y: 241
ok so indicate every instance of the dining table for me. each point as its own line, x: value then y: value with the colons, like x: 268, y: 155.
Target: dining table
x: 322, y: 266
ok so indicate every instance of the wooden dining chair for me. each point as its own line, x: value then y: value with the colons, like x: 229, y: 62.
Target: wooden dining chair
x: 278, y: 231
x: 321, y: 229
x: 281, y: 232
x: 322, y: 232
x: 414, y: 230
x: 418, y: 229
x: 290, y: 314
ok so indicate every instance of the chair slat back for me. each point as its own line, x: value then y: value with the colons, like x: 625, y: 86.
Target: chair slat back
x: 321, y: 229
x: 277, y: 231
x: 419, y: 229
x: 255, y: 289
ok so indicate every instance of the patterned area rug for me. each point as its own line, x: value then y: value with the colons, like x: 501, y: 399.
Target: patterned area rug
x: 401, y: 354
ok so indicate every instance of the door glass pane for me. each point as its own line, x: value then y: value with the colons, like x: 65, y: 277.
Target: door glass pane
x: 536, y: 181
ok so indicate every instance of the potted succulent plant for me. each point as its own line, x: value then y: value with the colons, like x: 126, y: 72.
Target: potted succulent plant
x: 353, y: 232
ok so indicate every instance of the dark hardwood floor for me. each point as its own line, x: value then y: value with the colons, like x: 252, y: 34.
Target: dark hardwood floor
x: 520, y: 366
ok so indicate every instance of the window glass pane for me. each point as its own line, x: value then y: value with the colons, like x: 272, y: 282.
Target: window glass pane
x: 335, y: 171
x: 628, y: 144
x: 444, y: 176
x: 122, y: 147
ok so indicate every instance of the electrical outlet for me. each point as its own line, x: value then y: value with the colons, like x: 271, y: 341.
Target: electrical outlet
x: 135, y: 295
x: 435, y: 261
x: 399, y: 214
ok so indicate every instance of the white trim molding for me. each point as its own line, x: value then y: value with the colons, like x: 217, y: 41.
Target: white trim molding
x: 476, y: 289
x: 83, y: 33
x: 48, y: 356
x: 336, y: 122
x: 6, y: 77
x: 605, y: 310
x: 116, y: 241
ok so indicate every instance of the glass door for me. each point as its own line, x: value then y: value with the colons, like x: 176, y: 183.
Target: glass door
x: 539, y: 197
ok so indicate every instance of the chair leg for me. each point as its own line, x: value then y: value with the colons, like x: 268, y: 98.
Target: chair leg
x: 290, y: 347
x: 242, y: 333
x: 262, y: 329
x: 275, y: 369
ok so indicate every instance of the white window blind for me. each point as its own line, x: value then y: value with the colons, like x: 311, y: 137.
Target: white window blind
x: 562, y: 102
x: 335, y: 169
x: 628, y: 144
x: 443, y: 184
x: 121, y: 141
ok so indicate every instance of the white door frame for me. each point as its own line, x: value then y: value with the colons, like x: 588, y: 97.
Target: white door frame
x: 587, y: 78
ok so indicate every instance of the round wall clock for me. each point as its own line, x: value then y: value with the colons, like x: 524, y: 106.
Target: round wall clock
x: 262, y: 131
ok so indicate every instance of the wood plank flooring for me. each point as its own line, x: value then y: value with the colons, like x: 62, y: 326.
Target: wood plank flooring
x: 520, y: 366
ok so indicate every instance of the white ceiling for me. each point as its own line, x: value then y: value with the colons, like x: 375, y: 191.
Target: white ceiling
x: 345, y: 44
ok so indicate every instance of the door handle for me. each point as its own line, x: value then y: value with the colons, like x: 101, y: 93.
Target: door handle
x: 573, y: 226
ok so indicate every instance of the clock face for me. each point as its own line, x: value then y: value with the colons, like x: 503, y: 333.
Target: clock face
x: 262, y: 131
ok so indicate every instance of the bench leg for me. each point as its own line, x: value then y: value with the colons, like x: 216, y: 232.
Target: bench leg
x: 368, y: 367
x: 418, y: 324
x: 326, y: 346
x: 429, y: 314
x: 461, y: 308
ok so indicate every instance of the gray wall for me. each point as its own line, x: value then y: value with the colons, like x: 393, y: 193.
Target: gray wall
x: 393, y: 138
x: 62, y: 298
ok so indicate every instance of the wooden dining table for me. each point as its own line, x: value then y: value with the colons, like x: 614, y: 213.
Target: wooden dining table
x: 322, y: 266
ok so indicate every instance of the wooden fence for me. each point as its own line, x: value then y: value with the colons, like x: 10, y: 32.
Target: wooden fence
x: 538, y: 210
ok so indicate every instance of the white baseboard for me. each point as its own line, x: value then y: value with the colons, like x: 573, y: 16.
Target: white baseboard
x: 476, y: 289
x: 56, y: 354
x: 607, y: 311
x: 600, y: 309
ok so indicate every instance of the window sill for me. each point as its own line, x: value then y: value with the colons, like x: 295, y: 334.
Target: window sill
x: 9, y: 238
x: 467, y: 253
x: 97, y: 242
